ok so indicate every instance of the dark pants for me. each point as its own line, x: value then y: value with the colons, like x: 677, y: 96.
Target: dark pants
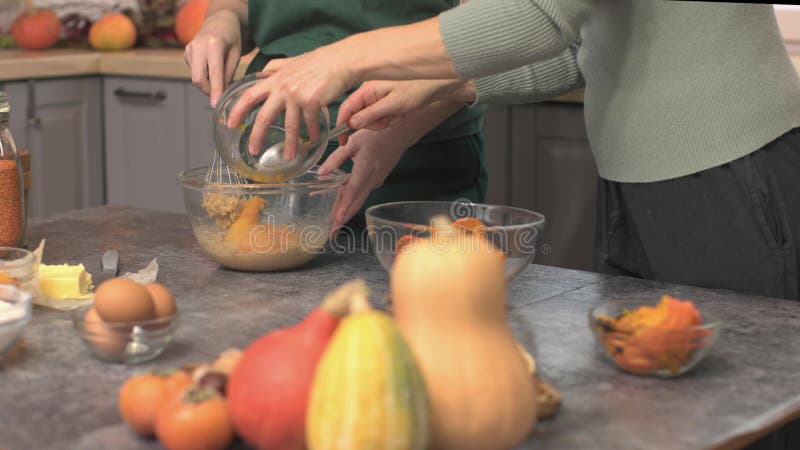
x: 736, y: 226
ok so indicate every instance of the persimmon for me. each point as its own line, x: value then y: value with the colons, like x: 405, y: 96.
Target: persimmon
x: 177, y: 381
x: 197, y: 420
x: 139, y: 400
x: 141, y: 397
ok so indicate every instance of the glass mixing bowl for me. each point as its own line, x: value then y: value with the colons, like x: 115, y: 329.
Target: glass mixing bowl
x: 514, y: 231
x: 269, y: 165
x: 261, y: 227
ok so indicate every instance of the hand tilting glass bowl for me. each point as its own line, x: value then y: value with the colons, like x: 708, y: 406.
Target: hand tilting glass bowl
x: 260, y: 227
x: 515, y: 231
x: 269, y: 164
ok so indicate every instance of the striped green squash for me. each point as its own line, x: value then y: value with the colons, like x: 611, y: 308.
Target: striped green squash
x: 368, y: 393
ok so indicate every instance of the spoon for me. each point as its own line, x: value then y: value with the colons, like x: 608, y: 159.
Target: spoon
x: 273, y: 156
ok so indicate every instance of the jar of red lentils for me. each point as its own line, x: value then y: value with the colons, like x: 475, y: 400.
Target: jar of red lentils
x: 12, y: 184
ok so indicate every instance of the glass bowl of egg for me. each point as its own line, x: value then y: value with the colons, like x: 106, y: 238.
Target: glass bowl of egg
x: 129, y: 322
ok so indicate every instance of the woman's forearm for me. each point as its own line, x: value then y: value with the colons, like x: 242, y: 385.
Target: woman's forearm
x: 475, y: 39
x: 239, y: 9
x: 419, y: 123
x: 405, y: 52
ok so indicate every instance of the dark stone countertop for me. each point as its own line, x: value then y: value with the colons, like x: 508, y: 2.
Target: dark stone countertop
x: 54, y: 395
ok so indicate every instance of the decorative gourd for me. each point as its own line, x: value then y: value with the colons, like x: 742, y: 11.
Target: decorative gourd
x: 35, y: 29
x: 190, y: 19
x: 268, y: 389
x: 449, y: 301
x: 368, y: 393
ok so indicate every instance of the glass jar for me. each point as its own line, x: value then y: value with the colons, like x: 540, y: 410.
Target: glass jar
x: 12, y: 184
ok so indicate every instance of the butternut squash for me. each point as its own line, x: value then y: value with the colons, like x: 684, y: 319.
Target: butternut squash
x: 449, y: 301
x: 367, y: 392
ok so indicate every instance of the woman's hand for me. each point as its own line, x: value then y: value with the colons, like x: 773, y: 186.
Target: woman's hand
x: 303, y: 84
x: 374, y: 155
x: 378, y: 104
x: 214, y: 53
x: 300, y: 86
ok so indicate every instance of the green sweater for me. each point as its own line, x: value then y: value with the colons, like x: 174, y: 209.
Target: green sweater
x: 671, y: 88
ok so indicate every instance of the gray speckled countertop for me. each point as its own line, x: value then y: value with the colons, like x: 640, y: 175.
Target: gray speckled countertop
x: 54, y: 395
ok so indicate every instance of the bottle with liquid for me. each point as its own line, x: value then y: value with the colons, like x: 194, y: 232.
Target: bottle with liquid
x: 12, y: 184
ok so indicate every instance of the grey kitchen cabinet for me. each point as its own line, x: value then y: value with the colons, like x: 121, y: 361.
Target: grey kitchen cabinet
x: 538, y: 158
x: 144, y: 141
x: 155, y: 128
x: 60, y: 121
x: 199, y: 139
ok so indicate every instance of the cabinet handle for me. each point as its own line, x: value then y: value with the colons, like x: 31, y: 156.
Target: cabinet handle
x: 34, y: 121
x: 156, y: 96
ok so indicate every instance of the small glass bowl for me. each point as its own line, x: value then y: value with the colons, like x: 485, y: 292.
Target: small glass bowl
x: 17, y: 267
x: 514, y: 231
x: 651, y: 351
x: 125, y: 342
x: 15, y: 314
x: 269, y: 165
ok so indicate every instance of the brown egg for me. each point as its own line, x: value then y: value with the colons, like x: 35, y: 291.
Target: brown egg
x: 123, y: 300
x: 105, y: 339
x: 163, y: 301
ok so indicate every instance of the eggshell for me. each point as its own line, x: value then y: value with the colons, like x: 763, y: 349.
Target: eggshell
x: 163, y: 301
x: 123, y: 300
x: 105, y: 339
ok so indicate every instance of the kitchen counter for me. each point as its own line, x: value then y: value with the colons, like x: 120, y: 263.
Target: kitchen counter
x: 56, y: 396
x: 141, y: 62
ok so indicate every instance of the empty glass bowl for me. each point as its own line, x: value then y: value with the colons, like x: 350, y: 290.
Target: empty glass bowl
x: 653, y: 350
x: 125, y: 342
x: 515, y: 231
x: 15, y: 313
x: 269, y: 164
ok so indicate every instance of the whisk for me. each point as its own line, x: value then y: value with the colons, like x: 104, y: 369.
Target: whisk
x: 220, y: 173
x: 221, y: 202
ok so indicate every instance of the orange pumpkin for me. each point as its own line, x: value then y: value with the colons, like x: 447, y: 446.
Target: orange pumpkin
x: 35, y: 29
x: 189, y: 19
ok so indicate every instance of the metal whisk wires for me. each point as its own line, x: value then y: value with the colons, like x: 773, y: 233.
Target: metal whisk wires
x: 220, y: 173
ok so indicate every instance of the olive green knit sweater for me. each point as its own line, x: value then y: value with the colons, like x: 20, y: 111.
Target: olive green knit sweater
x: 671, y: 88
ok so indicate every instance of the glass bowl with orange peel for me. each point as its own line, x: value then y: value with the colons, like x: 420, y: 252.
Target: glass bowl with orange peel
x: 514, y: 231
x: 665, y: 340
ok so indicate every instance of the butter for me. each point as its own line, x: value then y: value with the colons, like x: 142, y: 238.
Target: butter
x: 64, y: 281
